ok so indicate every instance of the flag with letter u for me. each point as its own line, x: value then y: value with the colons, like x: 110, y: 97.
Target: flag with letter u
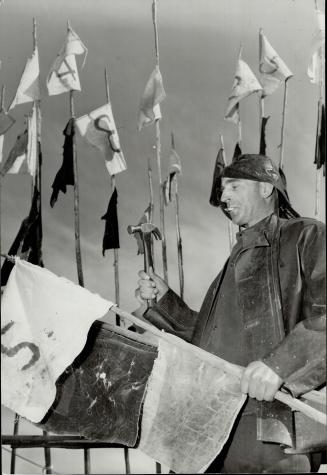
x: 245, y: 83
x: 99, y: 129
x: 272, y: 68
x: 63, y: 75
x: 40, y: 314
x: 153, y: 94
x: 28, y: 89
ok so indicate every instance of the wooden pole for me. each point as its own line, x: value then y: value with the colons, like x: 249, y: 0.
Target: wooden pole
x: 230, y: 224
x: 113, y: 185
x: 158, y: 154
x: 150, y: 190
x: 78, y: 254
x: 38, y: 184
x: 281, y: 146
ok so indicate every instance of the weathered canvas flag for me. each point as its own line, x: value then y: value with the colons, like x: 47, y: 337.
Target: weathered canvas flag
x: 99, y: 129
x: 219, y: 166
x: 63, y: 75
x: 245, y: 83
x: 316, y: 69
x: 100, y: 395
x: 189, y: 409
x: 6, y: 121
x: 28, y: 89
x: 272, y: 68
x: 111, y: 232
x: 175, y: 166
x: 153, y: 94
x: 23, y: 156
x: 45, y: 321
x: 65, y: 174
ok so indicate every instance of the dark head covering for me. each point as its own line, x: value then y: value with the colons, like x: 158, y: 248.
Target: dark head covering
x: 257, y: 168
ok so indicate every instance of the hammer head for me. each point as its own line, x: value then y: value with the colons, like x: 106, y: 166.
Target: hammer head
x: 144, y: 228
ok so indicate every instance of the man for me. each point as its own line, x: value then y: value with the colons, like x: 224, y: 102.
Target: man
x: 264, y: 311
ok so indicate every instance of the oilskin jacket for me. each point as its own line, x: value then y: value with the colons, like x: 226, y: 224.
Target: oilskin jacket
x: 280, y: 284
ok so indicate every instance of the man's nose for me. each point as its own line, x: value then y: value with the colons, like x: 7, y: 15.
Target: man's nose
x: 224, y: 196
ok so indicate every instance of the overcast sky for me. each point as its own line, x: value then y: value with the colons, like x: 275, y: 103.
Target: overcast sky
x: 199, y: 42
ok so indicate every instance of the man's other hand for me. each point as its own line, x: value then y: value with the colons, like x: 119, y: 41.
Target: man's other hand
x: 260, y: 382
x: 151, y: 285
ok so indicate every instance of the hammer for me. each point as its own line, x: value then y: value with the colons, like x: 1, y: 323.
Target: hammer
x: 146, y: 230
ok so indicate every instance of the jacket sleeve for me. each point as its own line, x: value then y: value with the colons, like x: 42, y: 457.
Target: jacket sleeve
x: 172, y: 314
x: 300, y: 359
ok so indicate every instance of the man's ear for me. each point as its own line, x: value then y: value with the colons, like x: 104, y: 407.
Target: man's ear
x: 266, y: 189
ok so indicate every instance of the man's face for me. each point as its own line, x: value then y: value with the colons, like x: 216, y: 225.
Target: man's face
x: 244, y: 201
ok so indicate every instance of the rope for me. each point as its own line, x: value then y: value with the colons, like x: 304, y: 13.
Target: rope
x: 31, y: 462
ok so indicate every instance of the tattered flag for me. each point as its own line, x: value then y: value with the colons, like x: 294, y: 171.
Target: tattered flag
x: 263, y: 145
x: 111, y: 232
x: 219, y: 166
x: 316, y: 68
x: 153, y: 94
x: 237, y: 152
x: 65, y: 175
x: 28, y: 89
x: 272, y: 68
x: 6, y: 121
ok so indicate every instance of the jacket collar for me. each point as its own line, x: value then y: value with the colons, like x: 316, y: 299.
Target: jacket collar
x: 260, y: 234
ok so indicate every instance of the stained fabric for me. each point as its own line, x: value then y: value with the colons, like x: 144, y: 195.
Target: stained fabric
x: 111, y: 232
x: 263, y: 145
x: 28, y: 241
x: 189, y: 409
x: 65, y: 174
x: 100, y: 395
x: 320, y: 151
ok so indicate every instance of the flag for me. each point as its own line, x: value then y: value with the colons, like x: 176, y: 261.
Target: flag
x: 63, y: 75
x: 99, y: 129
x: 320, y: 151
x: 153, y: 94
x: 272, y: 68
x: 167, y: 188
x: 245, y: 83
x: 23, y: 156
x: 47, y: 317
x: 145, y: 218
x: 100, y: 395
x: 219, y: 166
x: 237, y: 152
x: 175, y: 166
x: 189, y: 408
x: 316, y: 70
x: 111, y: 232
x: 28, y: 241
x: 65, y: 175
x: 263, y: 146
x: 28, y: 89
x: 6, y: 121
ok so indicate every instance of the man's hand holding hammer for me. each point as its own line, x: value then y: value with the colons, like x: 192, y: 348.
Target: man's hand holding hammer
x: 151, y: 286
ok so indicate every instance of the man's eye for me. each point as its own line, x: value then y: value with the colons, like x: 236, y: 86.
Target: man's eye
x: 234, y: 187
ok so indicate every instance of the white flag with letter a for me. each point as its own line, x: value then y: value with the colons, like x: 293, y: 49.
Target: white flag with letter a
x: 63, y: 75
x: 99, y: 129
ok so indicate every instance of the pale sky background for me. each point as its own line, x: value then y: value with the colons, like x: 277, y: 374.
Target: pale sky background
x: 199, y: 42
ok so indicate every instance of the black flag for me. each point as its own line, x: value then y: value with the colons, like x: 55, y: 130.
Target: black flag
x: 237, y: 152
x: 219, y: 166
x: 320, y: 152
x: 111, y: 232
x: 263, y: 145
x: 65, y: 175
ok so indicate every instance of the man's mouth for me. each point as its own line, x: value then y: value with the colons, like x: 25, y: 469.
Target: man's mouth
x: 231, y: 209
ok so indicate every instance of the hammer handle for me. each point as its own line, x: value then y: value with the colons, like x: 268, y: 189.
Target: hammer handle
x: 148, y: 259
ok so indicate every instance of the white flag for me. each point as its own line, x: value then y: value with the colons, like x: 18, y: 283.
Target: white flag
x: 99, y: 129
x: 45, y: 322
x: 316, y: 69
x: 272, y: 68
x: 28, y: 89
x: 63, y: 75
x: 245, y: 83
x: 32, y: 140
x: 153, y: 94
